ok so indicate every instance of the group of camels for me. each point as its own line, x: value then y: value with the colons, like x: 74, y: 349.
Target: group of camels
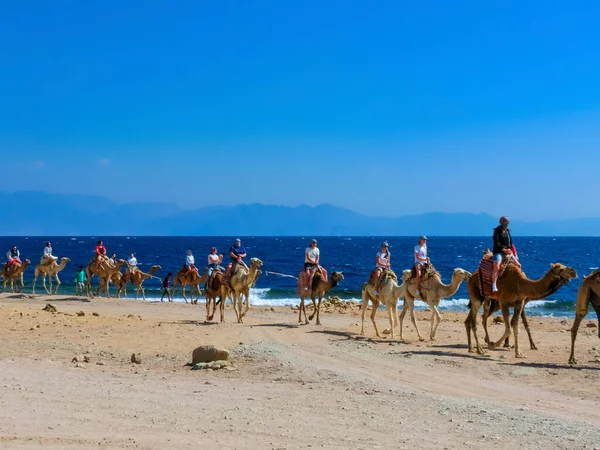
x: 515, y: 290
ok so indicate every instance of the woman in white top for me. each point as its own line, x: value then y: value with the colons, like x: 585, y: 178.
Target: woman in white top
x: 382, y: 261
x: 214, y: 261
x: 421, y: 259
x: 47, y: 256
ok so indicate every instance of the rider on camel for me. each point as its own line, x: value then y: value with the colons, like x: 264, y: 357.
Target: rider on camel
x: 214, y: 261
x: 421, y: 261
x: 236, y: 253
x: 382, y: 262
x: 502, y: 246
x: 13, y: 256
x: 189, y: 261
x: 131, y: 266
x: 100, y: 254
x: 312, y: 256
x: 47, y: 256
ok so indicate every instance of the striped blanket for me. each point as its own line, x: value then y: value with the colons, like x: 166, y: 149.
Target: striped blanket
x: 486, y: 266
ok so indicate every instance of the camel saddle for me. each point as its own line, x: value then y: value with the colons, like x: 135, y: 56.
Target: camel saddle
x: 486, y: 267
x: 212, y: 276
x: 384, y: 275
x: 231, y: 268
x: 304, y: 283
x: 428, y: 272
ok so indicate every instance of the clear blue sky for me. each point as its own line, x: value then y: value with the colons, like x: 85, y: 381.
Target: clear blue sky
x: 383, y: 107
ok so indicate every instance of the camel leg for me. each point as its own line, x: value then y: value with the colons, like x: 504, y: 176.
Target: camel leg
x: 507, y: 324
x: 515, y: 325
x: 183, y: 292
x: 300, y: 310
x: 319, y: 310
x: 437, y: 317
x: 471, y: 327
x: 314, y: 307
x: 578, y: 318
x: 246, y: 302
x: 57, y: 284
x: 44, y: 284
x: 373, y: 313
x: 234, y: 301
x: 391, y: 319
x: 401, y: 318
x: 394, y: 308
x: 484, y: 319
x: 35, y: 277
x: 363, y: 309
x: 413, y: 316
x: 50, y: 281
x: 526, y: 325
x: 222, y: 306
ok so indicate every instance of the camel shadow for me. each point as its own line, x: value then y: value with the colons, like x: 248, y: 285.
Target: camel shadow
x: 44, y: 297
x: 449, y: 354
x: 191, y: 322
x: 550, y: 366
x: 278, y: 325
x: 346, y: 334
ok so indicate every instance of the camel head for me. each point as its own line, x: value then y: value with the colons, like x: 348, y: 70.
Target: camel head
x: 255, y: 263
x: 563, y: 272
x: 406, y: 274
x: 462, y: 274
x: 337, y: 277
x: 65, y: 259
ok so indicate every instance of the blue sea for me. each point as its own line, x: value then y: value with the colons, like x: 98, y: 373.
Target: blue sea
x: 353, y: 256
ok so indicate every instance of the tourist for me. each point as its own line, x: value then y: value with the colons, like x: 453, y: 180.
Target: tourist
x: 13, y: 256
x: 421, y: 261
x: 47, y: 256
x: 100, y: 254
x: 189, y: 261
x: 166, y: 284
x: 502, y: 247
x: 131, y: 266
x: 80, y: 279
x: 382, y: 262
x: 214, y: 261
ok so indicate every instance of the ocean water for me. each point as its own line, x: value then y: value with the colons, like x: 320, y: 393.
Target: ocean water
x: 353, y: 256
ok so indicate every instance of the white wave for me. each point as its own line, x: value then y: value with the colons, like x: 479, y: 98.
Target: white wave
x: 539, y: 303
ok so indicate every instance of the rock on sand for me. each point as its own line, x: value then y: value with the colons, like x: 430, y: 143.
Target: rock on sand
x: 209, y: 353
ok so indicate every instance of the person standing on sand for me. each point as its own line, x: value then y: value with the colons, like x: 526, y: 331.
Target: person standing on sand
x: 502, y: 246
x: 166, y: 284
x: 80, y: 279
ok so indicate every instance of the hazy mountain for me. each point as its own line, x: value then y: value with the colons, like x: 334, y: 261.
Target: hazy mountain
x: 38, y: 213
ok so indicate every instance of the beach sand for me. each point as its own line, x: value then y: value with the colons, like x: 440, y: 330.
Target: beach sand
x: 292, y: 387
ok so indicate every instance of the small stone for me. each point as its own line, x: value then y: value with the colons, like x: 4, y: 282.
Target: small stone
x: 80, y: 366
x: 209, y: 353
x: 38, y: 326
x: 591, y: 325
x: 78, y: 358
x: 95, y: 314
x: 100, y: 363
x: 199, y: 366
x: 136, y: 358
x: 49, y: 307
x: 80, y: 314
x: 86, y: 359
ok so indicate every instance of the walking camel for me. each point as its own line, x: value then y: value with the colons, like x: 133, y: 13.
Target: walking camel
x: 51, y: 270
x: 514, y: 289
x: 136, y: 277
x: 215, y: 287
x: 432, y: 291
x: 389, y: 293
x: 12, y: 273
x: 240, y: 282
x: 192, y: 279
x: 318, y: 289
x: 105, y: 272
x: 588, y: 293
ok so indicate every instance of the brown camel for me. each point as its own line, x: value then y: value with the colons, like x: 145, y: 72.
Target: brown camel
x: 240, y: 282
x: 389, y: 293
x: 136, y: 277
x: 104, y: 272
x: 514, y: 289
x: 192, y: 279
x: 13, y: 273
x: 318, y: 289
x: 588, y: 293
x: 432, y: 292
x: 50, y: 269
x: 213, y: 289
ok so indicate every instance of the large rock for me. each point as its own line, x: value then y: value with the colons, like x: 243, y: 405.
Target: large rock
x: 209, y: 353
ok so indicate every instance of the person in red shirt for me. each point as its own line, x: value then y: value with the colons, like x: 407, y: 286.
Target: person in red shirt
x: 100, y: 253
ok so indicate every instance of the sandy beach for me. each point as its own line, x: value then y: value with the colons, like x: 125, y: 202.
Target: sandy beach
x: 288, y: 386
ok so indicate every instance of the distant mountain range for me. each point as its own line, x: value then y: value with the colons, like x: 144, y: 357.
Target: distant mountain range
x: 43, y: 214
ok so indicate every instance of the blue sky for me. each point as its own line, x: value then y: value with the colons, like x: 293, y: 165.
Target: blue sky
x: 384, y: 107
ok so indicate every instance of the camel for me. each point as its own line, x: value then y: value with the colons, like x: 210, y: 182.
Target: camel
x: 13, y: 273
x: 239, y: 283
x: 191, y: 278
x: 318, y: 288
x: 432, y: 292
x: 514, y: 290
x: 50, y: 269
x: 588, y: 292
x: 389, y: 293
x: 105, y: 272
x: 136, y: 278
x: 216, y: 288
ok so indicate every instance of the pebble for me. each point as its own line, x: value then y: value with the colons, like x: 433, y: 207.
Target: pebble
x: 80, y: 314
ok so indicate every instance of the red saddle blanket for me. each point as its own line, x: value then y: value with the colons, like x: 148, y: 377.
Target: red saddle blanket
x: 486, y: 266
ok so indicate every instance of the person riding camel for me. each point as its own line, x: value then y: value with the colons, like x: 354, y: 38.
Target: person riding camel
x: 100, y: 254
x: 236, y: 253
x: 13, y: 256
x: 382, y: 262
x: 47, y: 256
x: 214, y: 261
x: 502, y: 246
x: 189, y: 261
x: 421, y: 261
x: 131, y: 267
x: 312, y: 255
x: 113, y: 260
